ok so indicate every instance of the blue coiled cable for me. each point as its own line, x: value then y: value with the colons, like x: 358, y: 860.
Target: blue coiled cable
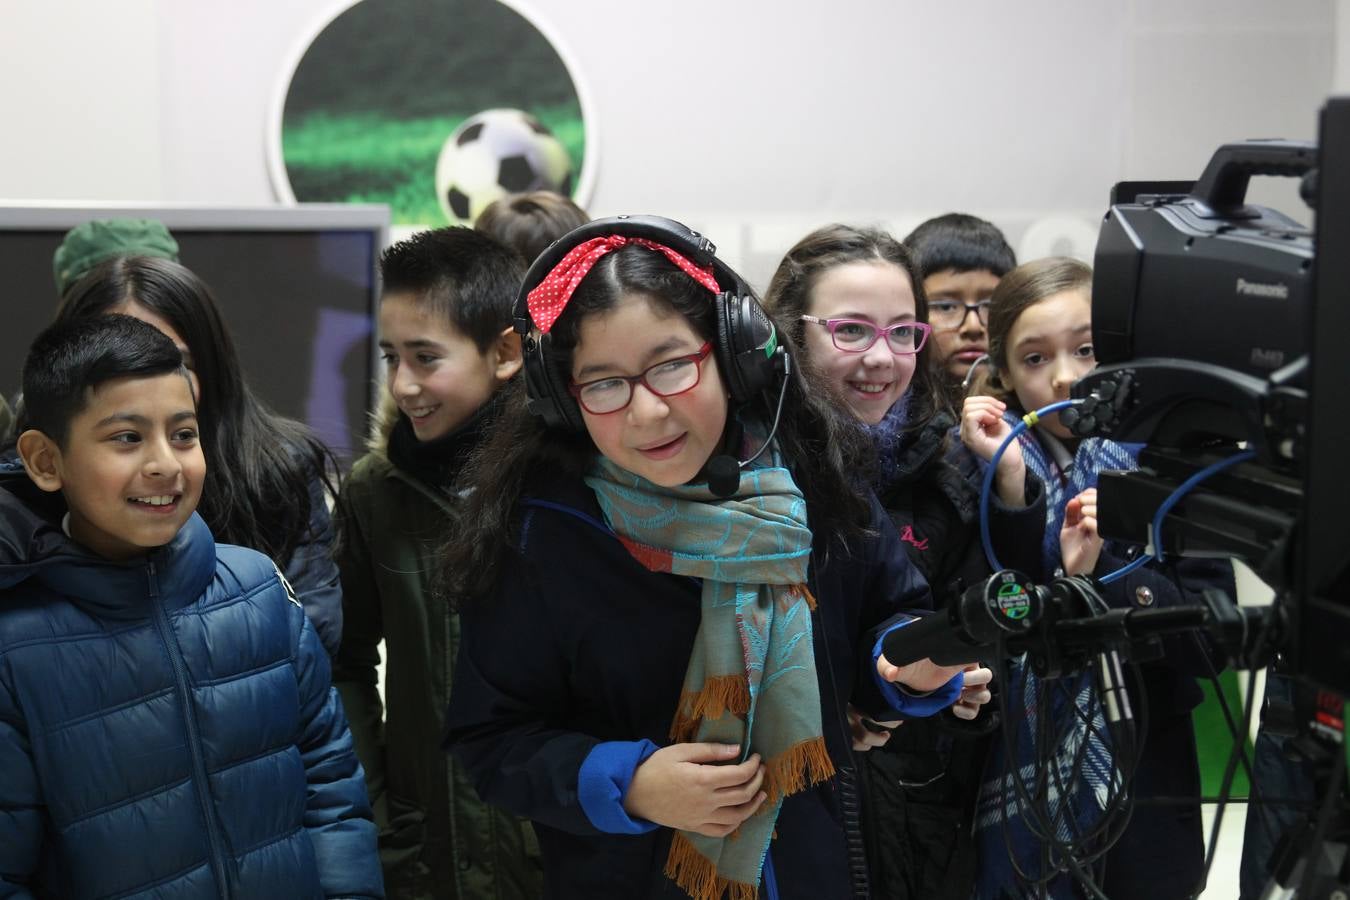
x: 1154, y: 551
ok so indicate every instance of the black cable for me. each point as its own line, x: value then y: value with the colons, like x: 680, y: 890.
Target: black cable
x: 1036, y: 819
x: 1239, y: 741
x: 1223, y: 705
x: 1254, y: 797
x: 1118, y: 808
x: 1123, y: 754
x: 1065, y: 814
x: 1046, y: 822
x: 1226, y: 788
x: 1071, y: 854
x: 1090, y: 847
x: 1138, y: 735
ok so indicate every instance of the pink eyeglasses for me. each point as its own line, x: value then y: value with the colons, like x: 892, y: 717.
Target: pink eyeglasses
x: 858, y: 336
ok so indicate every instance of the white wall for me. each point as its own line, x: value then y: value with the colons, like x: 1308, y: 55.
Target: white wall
x: 754, y: 120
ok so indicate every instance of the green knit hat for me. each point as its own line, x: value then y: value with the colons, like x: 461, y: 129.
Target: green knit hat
x: 87, y: 245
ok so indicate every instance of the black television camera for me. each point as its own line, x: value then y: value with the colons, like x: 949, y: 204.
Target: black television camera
x: 1214, y: 324
x: 1213, y: 321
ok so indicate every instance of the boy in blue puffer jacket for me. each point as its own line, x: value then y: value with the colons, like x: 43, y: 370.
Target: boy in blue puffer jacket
x: 167, y: 727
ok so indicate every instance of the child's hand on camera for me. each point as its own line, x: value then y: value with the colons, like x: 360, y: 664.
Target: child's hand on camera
x: 922, y: 677
x: 983, y: 429
x: 869, y: 733
x: 695, y: 787
x: 1079, y: 543
x: 975, y: 692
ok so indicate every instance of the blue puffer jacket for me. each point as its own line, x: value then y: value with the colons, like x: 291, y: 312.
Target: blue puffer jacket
x: 167, y: 728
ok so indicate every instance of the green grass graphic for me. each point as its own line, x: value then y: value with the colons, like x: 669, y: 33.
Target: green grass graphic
x: 368, y: 158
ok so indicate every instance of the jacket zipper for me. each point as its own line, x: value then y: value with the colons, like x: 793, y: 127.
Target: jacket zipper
x: 194, y: 739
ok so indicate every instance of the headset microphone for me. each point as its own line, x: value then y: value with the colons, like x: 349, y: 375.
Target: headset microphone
x: 724, y: 470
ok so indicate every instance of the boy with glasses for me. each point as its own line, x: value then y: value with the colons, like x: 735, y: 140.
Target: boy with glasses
x: 962, y: 259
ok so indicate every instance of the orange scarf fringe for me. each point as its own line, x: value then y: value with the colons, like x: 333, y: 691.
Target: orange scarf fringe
x: 800, y: 766
x: 718, y: 696
x: 697, y: 875
x: 803, y: 590
x: 722, y: 693
x: 805, y: 764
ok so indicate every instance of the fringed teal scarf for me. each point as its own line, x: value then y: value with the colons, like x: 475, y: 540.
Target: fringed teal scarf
x: 751, y: 678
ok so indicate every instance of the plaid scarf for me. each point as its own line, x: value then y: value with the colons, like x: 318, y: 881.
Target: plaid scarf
x: 751, y: 678
x: 1078, y: 780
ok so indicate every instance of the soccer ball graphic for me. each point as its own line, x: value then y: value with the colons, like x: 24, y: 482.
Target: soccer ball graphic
x: 495, y: 153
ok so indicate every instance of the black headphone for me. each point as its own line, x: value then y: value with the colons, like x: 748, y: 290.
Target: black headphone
x: 749, y: 353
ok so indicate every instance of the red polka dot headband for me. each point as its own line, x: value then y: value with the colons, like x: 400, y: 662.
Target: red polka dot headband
x: 547, y: 301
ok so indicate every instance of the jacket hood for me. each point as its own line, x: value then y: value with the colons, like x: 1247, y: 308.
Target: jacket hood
x: 382, y: 422
x: 33, y: 547
x: 30, y: 527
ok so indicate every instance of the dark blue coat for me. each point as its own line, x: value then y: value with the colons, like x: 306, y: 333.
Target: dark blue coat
x: 313, y: 572
x: 580, y: 645
x: 167, y: 728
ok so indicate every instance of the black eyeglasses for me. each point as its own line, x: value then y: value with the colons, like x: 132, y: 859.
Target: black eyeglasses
x: 858, y: 335
x: 946, y: 314
x: 665, y: 379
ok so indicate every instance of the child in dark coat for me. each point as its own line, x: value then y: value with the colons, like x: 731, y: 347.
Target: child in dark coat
x: 448, y: 349
x: 853, y: 301
x: 1040, y: 342
x: 672, y: 587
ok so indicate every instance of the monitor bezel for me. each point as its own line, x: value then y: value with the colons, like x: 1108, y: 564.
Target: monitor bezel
x: 31, y: 215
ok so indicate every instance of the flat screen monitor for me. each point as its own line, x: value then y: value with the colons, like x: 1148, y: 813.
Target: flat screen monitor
x: 297, y: 286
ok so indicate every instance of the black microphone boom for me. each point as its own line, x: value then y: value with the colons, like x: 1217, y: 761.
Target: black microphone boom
x: 1062, y: 625
x: 1006, y: 604
x: 724, y: 472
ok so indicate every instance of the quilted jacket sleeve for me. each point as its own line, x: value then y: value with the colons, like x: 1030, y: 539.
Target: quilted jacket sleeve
x: 337, y: 812
x: 313, y: 572
x: 21, y: 809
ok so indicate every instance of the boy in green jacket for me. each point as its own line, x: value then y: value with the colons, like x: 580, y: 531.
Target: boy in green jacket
x: 448, y: 347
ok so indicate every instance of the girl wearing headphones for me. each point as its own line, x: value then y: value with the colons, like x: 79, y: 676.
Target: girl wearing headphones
x: 852, y: 300
x: 667, y: 602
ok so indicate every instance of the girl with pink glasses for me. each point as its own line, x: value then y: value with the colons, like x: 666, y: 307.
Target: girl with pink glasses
x: 854, y: 302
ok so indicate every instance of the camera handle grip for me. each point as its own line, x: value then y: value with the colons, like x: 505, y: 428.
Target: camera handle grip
x: 1222, y: 187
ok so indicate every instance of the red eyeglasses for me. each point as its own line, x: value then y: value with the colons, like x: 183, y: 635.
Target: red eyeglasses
x: 665, y: 379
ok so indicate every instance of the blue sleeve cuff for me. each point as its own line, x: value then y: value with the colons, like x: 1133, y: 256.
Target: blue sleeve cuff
x: 603, y: 781
x: 908, y: 704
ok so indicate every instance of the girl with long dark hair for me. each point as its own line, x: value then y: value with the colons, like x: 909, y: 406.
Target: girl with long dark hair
x: 852, y: 299
x: 656, y: 660
x: 266, y: 475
